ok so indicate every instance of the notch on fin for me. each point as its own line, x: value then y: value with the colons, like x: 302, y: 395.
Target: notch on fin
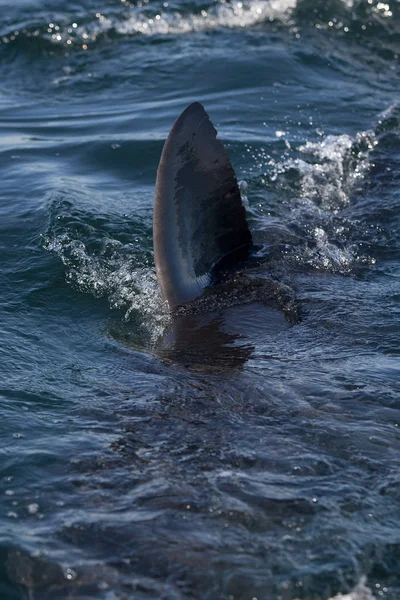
x: 199, y: 219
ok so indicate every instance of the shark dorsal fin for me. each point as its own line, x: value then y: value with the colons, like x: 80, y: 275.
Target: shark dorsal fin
x: 199, y: 218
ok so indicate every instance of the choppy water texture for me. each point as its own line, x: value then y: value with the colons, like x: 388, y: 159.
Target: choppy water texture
x: 241, y: 456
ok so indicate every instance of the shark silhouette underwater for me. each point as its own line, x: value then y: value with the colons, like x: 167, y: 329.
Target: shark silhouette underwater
x: 200, y: 231
x: 203, y: 252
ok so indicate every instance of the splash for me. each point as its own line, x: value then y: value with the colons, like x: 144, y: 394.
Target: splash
x: 360, y: 592
x: 115, y: 276
x: 342, y: 163
x: 324, y: 178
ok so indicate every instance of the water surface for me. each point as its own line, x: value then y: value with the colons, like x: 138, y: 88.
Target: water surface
x: 248, y: 457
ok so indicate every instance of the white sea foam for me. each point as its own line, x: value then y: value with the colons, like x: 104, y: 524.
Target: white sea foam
x: 329, y: 172
x: 126, y: 287
x: 342, y: 162
x: 224, y: 14
x: 360, y: 592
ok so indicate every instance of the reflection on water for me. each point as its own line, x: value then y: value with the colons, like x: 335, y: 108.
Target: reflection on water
x: 201, y: 341
x: 205, y: 342
x: 223, y: 340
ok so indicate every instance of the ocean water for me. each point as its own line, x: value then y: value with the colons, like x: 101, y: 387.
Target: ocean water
x: 235, y: 455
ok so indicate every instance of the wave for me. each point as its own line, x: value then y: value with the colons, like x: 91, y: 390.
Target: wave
x: 360, y: 19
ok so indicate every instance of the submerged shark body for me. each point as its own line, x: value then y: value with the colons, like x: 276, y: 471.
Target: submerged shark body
x: 200, y: 228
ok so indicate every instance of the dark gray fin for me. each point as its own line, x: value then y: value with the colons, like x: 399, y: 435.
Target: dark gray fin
x: 199, y: 219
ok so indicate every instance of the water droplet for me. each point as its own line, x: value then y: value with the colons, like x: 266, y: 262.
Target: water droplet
x: 103, y: 585
x: 69, y: 574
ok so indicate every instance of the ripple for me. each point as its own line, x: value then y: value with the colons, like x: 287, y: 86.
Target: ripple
x: 240, y: 456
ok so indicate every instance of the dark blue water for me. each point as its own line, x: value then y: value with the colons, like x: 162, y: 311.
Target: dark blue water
x: 253, y: 458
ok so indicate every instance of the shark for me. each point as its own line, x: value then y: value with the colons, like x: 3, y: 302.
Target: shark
x: 201, y: 237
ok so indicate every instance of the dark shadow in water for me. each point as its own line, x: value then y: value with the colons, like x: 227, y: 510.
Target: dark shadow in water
x: 218, y: 332
x: 201, y: 342
x: 220, y: 341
